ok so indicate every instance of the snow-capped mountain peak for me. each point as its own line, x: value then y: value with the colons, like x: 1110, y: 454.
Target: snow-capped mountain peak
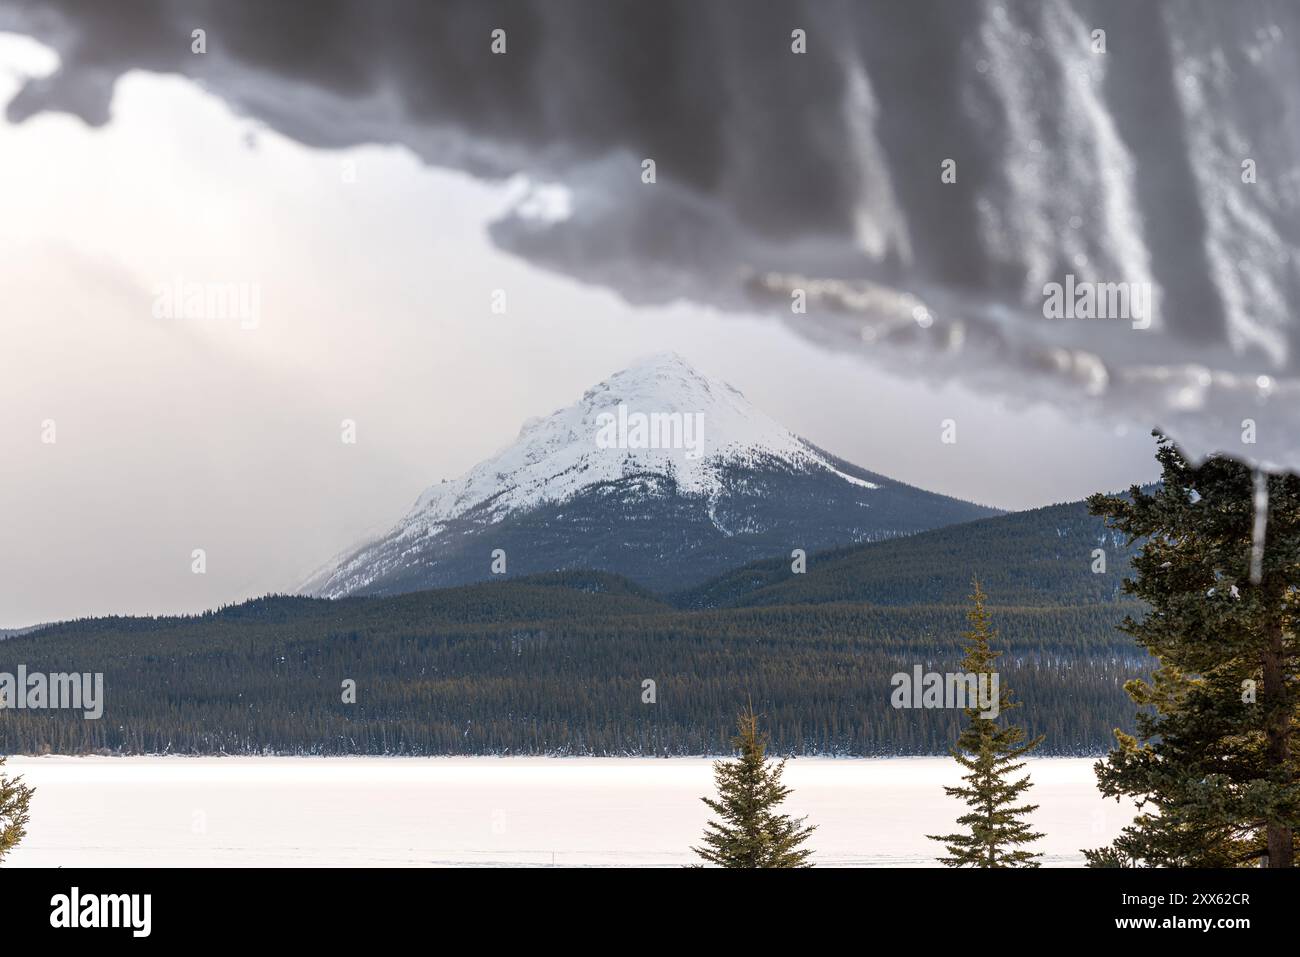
x: 658, y: 415
x: 656, y: 444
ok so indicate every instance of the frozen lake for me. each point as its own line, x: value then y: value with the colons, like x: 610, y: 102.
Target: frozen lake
x: 412, y: 812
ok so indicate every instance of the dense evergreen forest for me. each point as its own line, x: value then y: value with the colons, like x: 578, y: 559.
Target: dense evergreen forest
x: 556, y: 664
x: 267, y: 677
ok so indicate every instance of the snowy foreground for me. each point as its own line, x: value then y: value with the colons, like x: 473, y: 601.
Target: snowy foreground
x: 172, y: 811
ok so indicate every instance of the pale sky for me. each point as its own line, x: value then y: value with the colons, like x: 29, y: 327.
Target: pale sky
x: 174, y: 434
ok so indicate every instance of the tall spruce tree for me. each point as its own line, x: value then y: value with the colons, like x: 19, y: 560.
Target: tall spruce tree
x: 1212, y: 768
x: 15, y: 801
x: 751, y: 832
x: 991, y: 753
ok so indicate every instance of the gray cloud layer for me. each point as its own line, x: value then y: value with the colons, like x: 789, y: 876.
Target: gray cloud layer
x: 820, y: 171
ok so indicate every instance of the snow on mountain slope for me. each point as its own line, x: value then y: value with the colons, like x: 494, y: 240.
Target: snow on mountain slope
x: 555, y: 456
x: 657, y: 430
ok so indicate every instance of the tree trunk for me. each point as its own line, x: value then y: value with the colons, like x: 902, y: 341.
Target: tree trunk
x: 1281, y: 847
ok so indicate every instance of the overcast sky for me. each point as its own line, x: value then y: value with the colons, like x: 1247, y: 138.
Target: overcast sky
x: 172, y: 435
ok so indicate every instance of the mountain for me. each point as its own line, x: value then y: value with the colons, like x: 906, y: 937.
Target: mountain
x: 1041, y: 557
x: 658, y: 474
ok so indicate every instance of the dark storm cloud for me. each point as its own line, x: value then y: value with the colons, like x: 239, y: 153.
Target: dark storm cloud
x: 820, y: 172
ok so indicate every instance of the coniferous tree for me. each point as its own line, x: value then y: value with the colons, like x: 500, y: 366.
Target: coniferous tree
x: 751, y: 832
x: 991, y: 754
x: 1214, y: 756
x: 15, y: 799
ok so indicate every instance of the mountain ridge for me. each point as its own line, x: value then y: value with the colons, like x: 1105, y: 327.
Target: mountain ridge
x: 657, y: 473
x: 1021, y: 556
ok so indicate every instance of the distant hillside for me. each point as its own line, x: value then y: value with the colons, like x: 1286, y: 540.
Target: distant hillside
x: 540, y: 598
x: 15, y: 632
x: 1039, y: 557
x: 556, y: 665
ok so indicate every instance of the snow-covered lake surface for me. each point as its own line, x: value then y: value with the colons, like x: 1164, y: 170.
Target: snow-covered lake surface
x: 212, y: 812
